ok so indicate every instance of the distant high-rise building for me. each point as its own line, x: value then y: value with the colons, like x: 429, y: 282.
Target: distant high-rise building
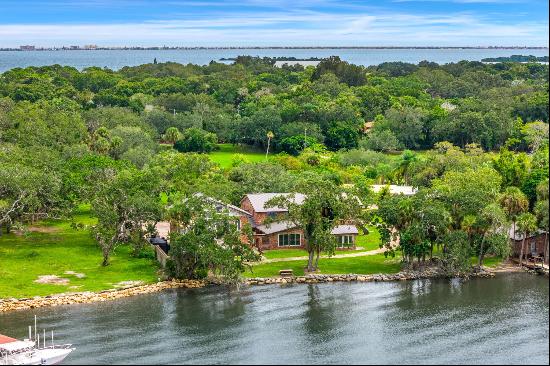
x: 90, y: 47
x: 74, y: 47
x: 26, y: 48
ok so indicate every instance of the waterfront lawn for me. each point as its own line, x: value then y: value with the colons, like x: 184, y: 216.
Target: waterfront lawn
x: 284, y: 253
x: 368, y: 242
x: 52, y: 248
x: 226, y: 153
x: 487, y: 261
x: 370, y: 264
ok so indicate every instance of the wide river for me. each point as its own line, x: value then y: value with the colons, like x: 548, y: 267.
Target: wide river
x: 116, y: 59
x: 490, y: 321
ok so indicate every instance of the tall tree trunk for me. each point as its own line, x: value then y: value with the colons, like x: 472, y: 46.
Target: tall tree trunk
x: 521, y: 250
x: 267, y: 151
x: 310, y: 260
x: 481, y: 253
x: 105, y: 257
x: 546, y: 247
x: 317, y: 255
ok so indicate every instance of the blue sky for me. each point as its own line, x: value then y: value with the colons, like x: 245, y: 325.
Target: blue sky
x: 274, y: 22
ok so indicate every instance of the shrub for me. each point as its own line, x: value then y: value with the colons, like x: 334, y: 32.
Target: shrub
x: 293, y: 145
x: 384, y: 140
x: 196, y: 140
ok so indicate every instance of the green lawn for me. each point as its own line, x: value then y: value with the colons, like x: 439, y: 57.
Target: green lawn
x: 284, y: 253
x: 487, y: 261
x: 59, y: 248
x: 226, y: 153
x: 359, y: 265
x: 371, y: 241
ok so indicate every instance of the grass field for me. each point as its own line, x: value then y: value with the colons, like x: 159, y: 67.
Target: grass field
x: 487, y: 261
x: 358, y: 265
x: 55, y: 248
x: 226, y: 153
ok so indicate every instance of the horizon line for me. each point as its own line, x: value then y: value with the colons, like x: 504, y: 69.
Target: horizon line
x: 95, y: 46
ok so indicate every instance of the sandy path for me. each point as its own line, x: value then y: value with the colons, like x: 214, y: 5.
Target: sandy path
x: 359, y: 254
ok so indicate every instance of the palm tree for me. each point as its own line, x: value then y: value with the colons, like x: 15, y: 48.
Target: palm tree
x: 270, y: 135
x: 468, y: 225
x: 527, y: 224
x: 541, y: 211
x: 514, y: 202
x: 172, y: 135
x: 491, y: 220
x: 407, y: 159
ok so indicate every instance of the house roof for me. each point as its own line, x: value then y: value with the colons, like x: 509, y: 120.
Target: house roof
x: 395, y: 189
x: 345, y: 229
x: 259, y: 200
x: 519, y: 236
x: 276, y: 227
x: 232, y: 210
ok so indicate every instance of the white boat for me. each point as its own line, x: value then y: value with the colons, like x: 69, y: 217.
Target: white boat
x: 32, y: 352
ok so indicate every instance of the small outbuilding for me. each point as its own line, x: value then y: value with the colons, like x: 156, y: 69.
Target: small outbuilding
x: 536, y: 245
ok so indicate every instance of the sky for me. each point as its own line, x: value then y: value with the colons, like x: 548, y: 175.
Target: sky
x: 274, y: 22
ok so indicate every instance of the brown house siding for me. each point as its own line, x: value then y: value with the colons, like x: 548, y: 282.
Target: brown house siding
x: 540, y: 246
x: 271, y: 241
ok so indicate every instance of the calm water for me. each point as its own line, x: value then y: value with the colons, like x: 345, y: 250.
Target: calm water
x: 115, y: 59
x: 502, y: 320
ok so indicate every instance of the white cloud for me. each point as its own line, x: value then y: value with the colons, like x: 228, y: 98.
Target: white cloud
x: 283, y: 28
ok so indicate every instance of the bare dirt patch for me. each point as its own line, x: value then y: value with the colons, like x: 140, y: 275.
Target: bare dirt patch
x: 76, y: 274
x: 43, y: 229
x: 124, y: 284
x: 37, y: 229
x: 52, y: 280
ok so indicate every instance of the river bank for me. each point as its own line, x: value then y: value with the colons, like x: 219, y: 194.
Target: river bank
x: 89, y: 296
x: 501, y: 320
x: 12, y: 304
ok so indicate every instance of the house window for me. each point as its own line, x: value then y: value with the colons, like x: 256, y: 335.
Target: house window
x: 289, y: 240
x: 238, y: 223
x: 272, y: 215
x: 345, y: 241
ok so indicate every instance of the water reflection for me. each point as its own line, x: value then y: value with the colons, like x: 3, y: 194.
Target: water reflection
x: 502, y: 320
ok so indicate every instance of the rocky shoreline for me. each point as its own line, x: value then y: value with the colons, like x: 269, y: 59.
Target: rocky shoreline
x: 401, y: 276
x: 89, y: 297
x: 106, y: 295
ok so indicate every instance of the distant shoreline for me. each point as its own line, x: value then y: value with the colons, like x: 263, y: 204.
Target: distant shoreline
x: 156, y: 48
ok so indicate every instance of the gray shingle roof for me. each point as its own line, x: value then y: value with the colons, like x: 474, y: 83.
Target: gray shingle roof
x: 345, y: 229
x: 275, y: 227
x: 230, y: 209
x: 259, y: 200
x: 519, y: 235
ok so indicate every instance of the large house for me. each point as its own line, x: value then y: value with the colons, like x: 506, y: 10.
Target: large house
x: 281, y: 234
x: 269, y: 227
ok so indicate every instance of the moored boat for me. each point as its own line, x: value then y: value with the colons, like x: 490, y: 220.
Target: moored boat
x: 32, y: 352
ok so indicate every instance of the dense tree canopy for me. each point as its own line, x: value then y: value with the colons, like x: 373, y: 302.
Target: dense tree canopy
x: 476, y: 137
